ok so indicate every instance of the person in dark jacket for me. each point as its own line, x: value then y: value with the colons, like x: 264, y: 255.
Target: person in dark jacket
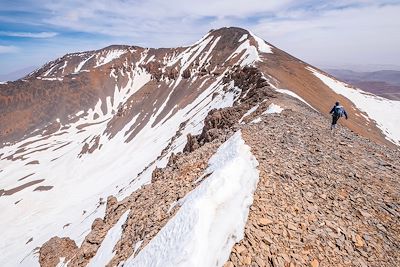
x: 337, y: 111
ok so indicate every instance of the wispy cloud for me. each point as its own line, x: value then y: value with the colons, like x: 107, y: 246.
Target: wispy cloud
x: 6, y: 49
x: 29, y: 34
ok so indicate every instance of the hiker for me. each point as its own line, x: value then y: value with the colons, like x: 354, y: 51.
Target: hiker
x: 337, y: 111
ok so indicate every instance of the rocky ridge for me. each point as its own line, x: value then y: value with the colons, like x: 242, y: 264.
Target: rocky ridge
x: 322, y: 199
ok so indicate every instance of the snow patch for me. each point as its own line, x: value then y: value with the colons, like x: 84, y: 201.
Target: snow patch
x: 256, y: 120
x: 150, y: 59
x: 105, y: 252
x: 250, y: 54
x: 81, y: 64
x: 249, y: 112
x: 62, y: 262
x: 212, y: 217
x: 244, y: 37
x: 49, y: 70
x: 50, y: 79
x: 262, y: 45
x: 291, y: 93
x: 273, y: 108
x: 109, y: 56
x: 137, y: 246
x: 63, y: 66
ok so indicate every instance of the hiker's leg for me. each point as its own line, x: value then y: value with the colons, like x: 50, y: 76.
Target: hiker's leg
x: 333, y: 123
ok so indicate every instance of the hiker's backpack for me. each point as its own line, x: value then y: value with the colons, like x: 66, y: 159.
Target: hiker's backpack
x: 338, y: 111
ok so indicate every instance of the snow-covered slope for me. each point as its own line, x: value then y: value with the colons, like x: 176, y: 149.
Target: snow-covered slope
x: 55, y: 182
x: 97, y: 123
x: 74, y: 185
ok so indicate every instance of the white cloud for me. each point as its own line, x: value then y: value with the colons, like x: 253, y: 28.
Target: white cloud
x: 361, y: 34
x: 29, y: 34
x: 6, y: 49
x: 138, y: 18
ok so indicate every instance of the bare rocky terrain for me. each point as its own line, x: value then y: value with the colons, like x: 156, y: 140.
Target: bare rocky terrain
x: 323, y: 199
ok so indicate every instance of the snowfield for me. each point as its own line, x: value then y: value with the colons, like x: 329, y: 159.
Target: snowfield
x: 385, y: 112
x: 76, y: 185
x: 212, y: 217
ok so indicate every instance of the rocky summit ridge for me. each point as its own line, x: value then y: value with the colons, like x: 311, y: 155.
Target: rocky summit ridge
x: 123, y: 136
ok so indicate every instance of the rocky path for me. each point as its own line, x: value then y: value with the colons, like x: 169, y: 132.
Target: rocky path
x: 322, y: 199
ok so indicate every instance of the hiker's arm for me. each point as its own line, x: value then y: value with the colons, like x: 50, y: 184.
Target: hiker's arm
x: 332, y: 110
x: 345, y: 114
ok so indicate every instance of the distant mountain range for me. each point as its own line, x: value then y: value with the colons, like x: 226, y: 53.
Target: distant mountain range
x: 385, y: 83
x: 18, y: 74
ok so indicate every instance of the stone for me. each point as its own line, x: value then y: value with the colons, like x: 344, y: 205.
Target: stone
x: 291, y: 226
x: 285, y: 257
x: 359, y: 242
x: 267, y: 240
x: 259, y: 261
x: 314, y: 263
x: 240, y: 249
x: 265, y: 221
x: 312, y: 217
x: 246, y: 260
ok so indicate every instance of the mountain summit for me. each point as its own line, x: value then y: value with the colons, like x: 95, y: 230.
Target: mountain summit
x: 152, y: 157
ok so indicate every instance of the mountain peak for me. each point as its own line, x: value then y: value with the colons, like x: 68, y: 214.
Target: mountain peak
x: 229, y: 31
x: 232, y: 35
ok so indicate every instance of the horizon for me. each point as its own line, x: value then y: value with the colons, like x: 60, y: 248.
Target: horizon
x: 349, y: 33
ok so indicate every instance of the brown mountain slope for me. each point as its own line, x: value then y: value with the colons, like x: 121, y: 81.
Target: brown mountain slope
x: 77, y: 82
x: 292, y: 73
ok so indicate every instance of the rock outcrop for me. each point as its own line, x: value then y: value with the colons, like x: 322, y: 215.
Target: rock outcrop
x: 56, y: 248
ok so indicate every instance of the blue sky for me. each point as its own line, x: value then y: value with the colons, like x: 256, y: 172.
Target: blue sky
x: 324, y: 33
